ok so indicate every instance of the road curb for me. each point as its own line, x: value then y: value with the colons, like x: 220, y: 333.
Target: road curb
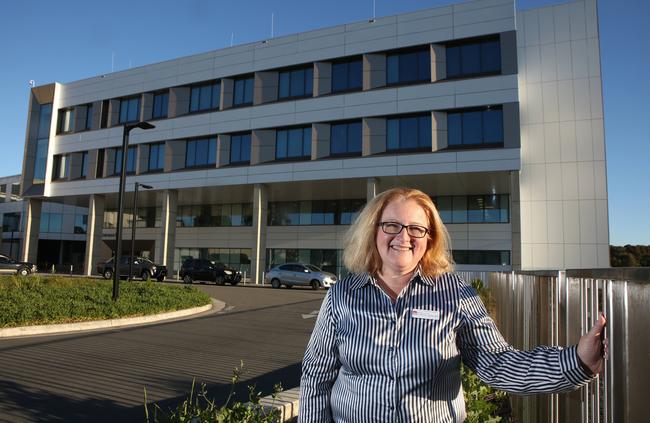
x: 214, y: 306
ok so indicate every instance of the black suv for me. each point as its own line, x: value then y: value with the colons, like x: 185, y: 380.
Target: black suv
x: 143, y: 268
x: 206, y: 270
x: 9, y: 265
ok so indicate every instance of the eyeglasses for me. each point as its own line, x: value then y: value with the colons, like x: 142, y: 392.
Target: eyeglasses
x: 393, y: 228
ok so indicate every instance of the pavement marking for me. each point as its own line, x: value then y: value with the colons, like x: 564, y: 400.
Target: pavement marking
x: 310, y: 315
x: 227, y: 309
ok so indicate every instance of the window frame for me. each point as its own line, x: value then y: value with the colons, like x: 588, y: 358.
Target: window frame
x: 211, y: 159
x: 289, y: 158
x: 164, y: 105
x: 158, y: 146
x: 416, y: 149
x: 250, y: 142
x: 417, y: 50
x: 65, y: 121
x: 347, y: 124
x: 198, y: 87
x: 304, y: 69
x: 129, y: 101
x: 481, y: 145
x: 246, y: 79
x: 347, y: 61
x: 469, y: 42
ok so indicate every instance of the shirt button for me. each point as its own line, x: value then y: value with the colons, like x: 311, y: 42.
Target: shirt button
x: 391, y: 349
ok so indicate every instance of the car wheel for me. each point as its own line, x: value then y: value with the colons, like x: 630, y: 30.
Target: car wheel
x: 219, y: 280
x: 187, y: 279
x: 234, y: 282
x: 23, y: 271
x: 160, y: 278
x: 108, y: 274
x: 314, y: 284
x: 275, y: 283
x: 145, y: 275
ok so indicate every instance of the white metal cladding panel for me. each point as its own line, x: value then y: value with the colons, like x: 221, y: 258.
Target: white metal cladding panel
x: 240, y: 237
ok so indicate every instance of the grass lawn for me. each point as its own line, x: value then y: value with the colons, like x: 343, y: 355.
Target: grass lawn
x: 38, y: 300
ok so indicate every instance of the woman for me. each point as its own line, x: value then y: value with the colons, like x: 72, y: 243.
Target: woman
x: 390, y: 337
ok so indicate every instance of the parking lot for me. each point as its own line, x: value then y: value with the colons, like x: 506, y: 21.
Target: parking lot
x: 101, y: 376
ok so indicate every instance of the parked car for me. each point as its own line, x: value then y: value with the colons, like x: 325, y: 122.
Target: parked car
x: 143, y: 268
x: 9, y: 265
x: 290, y: 274
x: 209, y: 271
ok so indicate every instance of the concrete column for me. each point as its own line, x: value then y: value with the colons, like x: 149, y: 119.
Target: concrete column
x: 265, y: 88
x: 179, y: 101
x: 372, y: 188
x: 374, y: 71
x: 508, y: 44
x: 166, y: 240
x: 438, y: 62
x: 322, y: 78
x: 511, y: 128
x: 94, y: 243
x: 223, y: 150
x: 440, y: 139
x: 320, y: 140
x: 175, y: 155
x: 260, y: 204
x: 147, y: 107
x: 262, y: 146
x: 113, y: 112
x: 227, y: 93
x: 142, y: 162
x: 32, y: 219
x: 373, y: 135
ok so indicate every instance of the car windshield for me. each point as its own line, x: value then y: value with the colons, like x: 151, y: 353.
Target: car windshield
x: 313, y: 268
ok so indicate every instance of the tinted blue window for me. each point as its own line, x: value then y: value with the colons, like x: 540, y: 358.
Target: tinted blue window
x: 130, y: 160
x: 408, y: 132
x: 281, y: 144
x: 475, y: 127
x: 473, y: 58
x: 160, y: 104
x: 205, y: 97
x: 493, y: 126
x: 306, y: 142
x: 309, y: 81
x: 338, y: 139
x: 491, y: 56
x: 130, y: 110
x: 284, y: 84
x: 455, y: 128
x: 354, y: 137
x: 470, y: 58
x: 89, y: 117
x: 392, y: 68
x: 472, y: 127
x: 295, y: 143
x: 240, y: 149
x: 44, y: 120
x: 84, y: 164
x: 408, y: 67
x: 201, y: 151
x: 243, y: 92
x: 459, y: 209
x: 212, y: 150
x: 392, y: 134
x: 347, y: 76
x: 190, y: 156
x: 297, y: 83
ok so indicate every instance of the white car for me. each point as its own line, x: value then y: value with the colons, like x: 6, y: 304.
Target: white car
x: 290, y: 274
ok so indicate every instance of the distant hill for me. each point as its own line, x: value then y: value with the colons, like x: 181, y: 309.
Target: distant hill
x: 630, y: 256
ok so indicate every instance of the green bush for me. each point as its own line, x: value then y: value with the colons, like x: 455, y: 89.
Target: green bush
x: 482, y: 403
x: 35, y: 300
x: 198, y: 408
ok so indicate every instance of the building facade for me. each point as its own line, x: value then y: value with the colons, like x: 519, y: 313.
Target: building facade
x: 264, y: 153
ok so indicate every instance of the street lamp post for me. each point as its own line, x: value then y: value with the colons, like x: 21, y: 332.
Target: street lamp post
x: 120, y: 203
x: 133, y: 224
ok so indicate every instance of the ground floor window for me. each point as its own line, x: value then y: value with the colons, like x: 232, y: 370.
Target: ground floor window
x: 237, y: 258
x: 328, y: 260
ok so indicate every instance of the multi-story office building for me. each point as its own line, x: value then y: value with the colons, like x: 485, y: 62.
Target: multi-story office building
x: 264, y: 152
x: 61, y: 231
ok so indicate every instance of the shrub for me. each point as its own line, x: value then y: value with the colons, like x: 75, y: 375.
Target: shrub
x: 198, y: 408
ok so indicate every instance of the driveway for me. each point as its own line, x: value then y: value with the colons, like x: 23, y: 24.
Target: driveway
x: 101, y: 376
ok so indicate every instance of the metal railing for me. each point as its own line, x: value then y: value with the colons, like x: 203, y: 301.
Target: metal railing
x: 556, y: 308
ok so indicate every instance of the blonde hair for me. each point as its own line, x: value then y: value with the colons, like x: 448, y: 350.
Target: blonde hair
x: 361, y: 254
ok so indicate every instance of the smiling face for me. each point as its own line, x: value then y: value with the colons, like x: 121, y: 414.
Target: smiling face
x: 401, y: 253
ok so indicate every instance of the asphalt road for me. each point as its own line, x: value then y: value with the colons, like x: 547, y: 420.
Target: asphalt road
x: 101, y: 376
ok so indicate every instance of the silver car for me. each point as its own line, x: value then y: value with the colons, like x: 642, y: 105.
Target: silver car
x: 290, y: 274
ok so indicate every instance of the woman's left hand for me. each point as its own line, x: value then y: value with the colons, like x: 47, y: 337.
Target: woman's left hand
x: 592, y: 348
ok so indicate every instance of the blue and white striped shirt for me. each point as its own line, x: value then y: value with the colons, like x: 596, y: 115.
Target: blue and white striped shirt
x: 372, y: 360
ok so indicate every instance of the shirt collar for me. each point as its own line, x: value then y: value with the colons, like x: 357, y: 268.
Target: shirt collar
x: 364, y: 279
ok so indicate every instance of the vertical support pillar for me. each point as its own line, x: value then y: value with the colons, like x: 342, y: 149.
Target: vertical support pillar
x: 260, y: 204
x: 32, y: 216
x: 167, y: 236
x: 372, y: 188
x: 515, y: 221
x: 94, y: 231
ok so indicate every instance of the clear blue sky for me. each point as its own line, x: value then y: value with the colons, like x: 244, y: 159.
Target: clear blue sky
x: 68, y: 40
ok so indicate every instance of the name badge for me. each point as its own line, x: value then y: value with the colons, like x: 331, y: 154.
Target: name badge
x: 417, y: 313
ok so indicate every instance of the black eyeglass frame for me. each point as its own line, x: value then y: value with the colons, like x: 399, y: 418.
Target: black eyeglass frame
x: 408, y: 229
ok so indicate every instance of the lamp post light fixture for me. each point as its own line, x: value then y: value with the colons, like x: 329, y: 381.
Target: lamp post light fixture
x: 133, y: 224
x: 120, y: 203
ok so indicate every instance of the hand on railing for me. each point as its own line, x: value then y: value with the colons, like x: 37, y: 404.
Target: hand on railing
x: 592, y: 348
